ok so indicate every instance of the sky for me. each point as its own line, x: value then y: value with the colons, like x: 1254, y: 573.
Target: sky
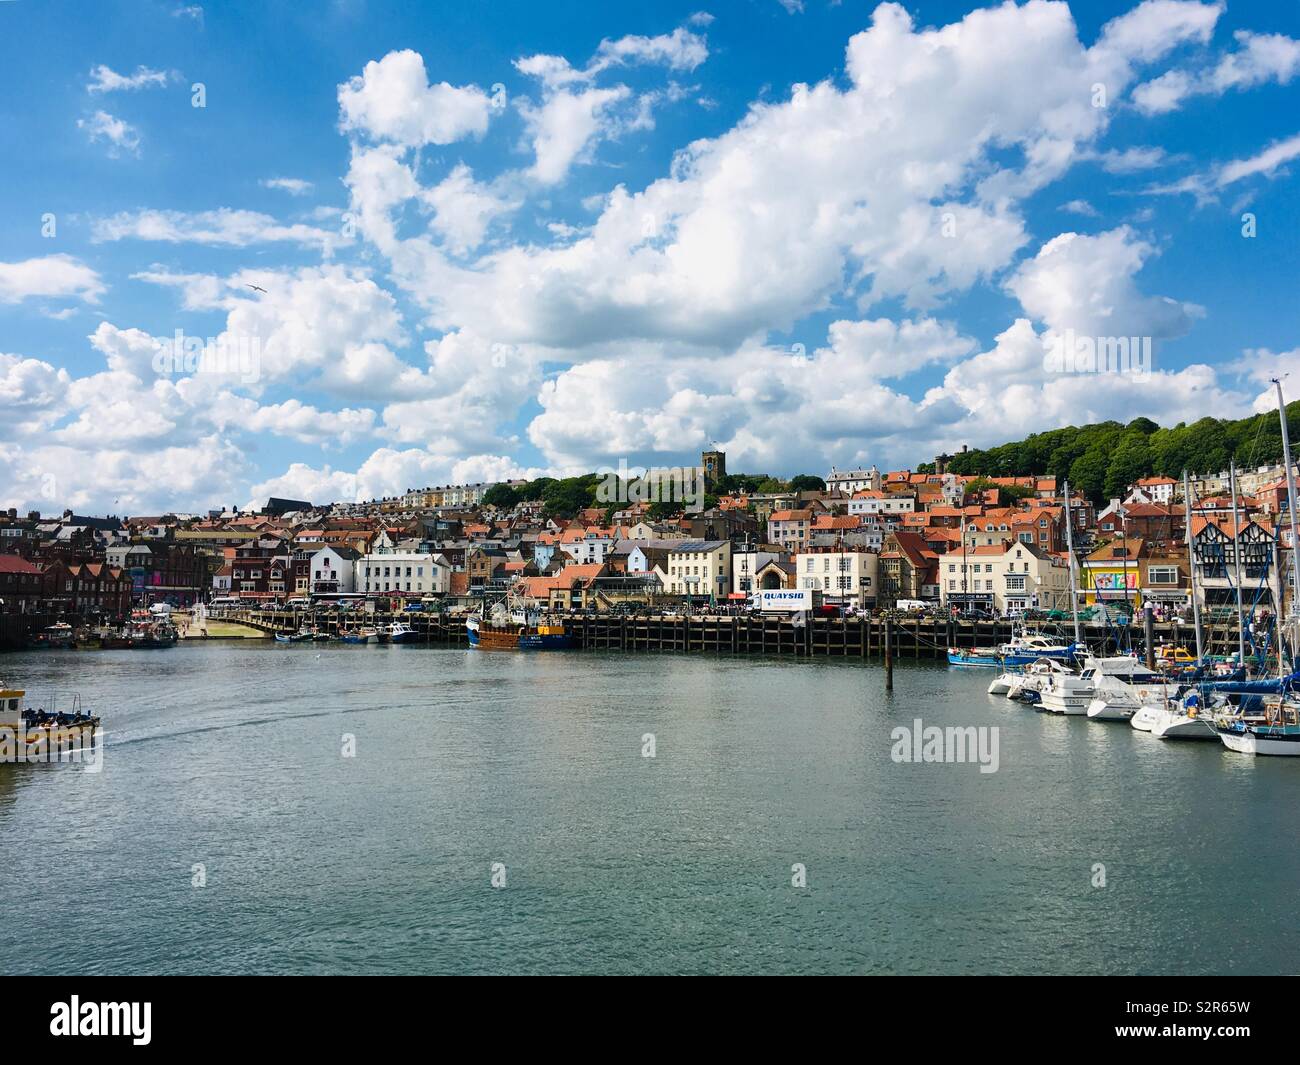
x: 341, y: 250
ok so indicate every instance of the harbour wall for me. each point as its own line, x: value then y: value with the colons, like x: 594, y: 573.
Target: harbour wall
x: 749, y: 633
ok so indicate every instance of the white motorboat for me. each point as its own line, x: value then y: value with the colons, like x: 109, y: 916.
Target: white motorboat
x: 1002, y: 683
x: 1026, y: 685
x: 1121, y: 695
x: 1066, y: 693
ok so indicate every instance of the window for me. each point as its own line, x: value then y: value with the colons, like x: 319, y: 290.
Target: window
x: 1162, y: 575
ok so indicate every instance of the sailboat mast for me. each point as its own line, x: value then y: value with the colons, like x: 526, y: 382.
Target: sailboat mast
x: 1290, y: 510
x: 965, y: 567
x: 1191, y: 566
x: 1069, y: 547
x: 1290, y: 483
x: 1236, y: 563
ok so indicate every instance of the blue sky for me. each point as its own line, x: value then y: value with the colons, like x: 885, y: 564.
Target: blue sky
x: 499, y: 240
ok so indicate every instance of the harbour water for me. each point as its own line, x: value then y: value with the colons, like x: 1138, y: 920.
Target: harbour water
x: 230, y: 832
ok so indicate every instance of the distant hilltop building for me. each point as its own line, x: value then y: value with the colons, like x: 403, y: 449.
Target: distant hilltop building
x: 713, y: 464
x: 941, y: 461
x: 276, y: 506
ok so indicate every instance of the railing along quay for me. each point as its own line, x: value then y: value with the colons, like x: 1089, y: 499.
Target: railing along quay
x: 847, y: 637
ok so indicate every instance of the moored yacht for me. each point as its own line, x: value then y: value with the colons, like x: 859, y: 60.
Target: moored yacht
x: 1024, y: 684
x: 1183, y: 719
x: 1281, y: 740
x: 1071, y: 694
x: 1121, y: 694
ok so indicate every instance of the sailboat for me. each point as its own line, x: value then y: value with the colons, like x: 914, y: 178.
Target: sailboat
x: 1155, y: 705
x: 1066, y: 693
x: 1279, y: 732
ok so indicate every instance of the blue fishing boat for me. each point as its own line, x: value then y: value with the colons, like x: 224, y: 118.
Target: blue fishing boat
x: 974, y: 656
x: 1025, y: 650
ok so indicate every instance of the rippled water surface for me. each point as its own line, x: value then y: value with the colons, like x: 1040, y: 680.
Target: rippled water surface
x: 230, y: 756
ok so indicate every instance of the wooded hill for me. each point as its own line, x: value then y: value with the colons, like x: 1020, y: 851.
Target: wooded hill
x: 1101, y: 460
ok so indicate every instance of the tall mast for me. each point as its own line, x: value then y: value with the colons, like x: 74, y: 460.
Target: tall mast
x: 1128, y: 605
x: 965, y: 595
x: 1236, y: 563
x: 1290, y: 486
x: 1069, y: 547
x: 1191, y: 565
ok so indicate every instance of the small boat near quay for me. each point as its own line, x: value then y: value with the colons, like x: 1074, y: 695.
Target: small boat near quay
x: 59, y: 636
x: 1022, y: 650
x: 365, y: 635
x: 28, y: 735
x: 1027, y: 649
x: 145, y: 630
x: 974, y: 656
x: 400, y: 632
x: 517, y: 630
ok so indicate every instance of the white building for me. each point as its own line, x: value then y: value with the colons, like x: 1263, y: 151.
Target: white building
x: 587, y: 546
x: 332, y: 570
x: 845, y: 577
x: 746, y: 567
x: 700, y: 567
x: 850, y: 481
x: 464, y: 495
x: 1152, y: 490
x: 872, y: 503
x: 403, y: 572
x: 1003, y: 577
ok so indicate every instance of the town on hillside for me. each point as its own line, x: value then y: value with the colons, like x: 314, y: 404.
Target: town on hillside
x: 857, y: 540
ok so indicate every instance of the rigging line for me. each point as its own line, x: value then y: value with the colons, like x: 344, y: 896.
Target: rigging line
x: 1254, y: 447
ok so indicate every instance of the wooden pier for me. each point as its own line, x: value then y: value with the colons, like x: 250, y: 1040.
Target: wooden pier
x: 743, y: 634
